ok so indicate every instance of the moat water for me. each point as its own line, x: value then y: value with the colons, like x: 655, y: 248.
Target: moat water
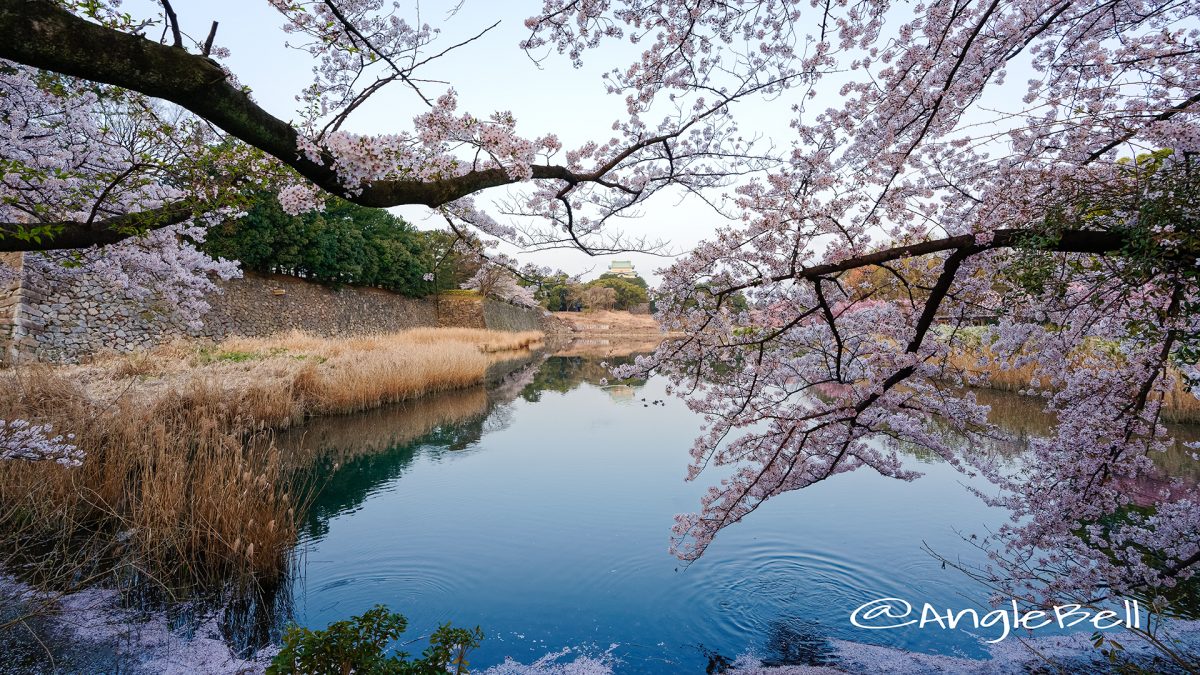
x: 540, y: 510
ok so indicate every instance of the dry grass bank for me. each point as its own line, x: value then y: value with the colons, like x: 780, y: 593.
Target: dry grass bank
x: 607, y: 347
x: 609, y: 323
x: 167, y: 491
x: 282, y: 379
x: 170, y: 490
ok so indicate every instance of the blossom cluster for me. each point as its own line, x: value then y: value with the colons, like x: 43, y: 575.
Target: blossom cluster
x: 822, y: 376
x: 162, y: 269
x: 495, y: 281
x: 22, y: 440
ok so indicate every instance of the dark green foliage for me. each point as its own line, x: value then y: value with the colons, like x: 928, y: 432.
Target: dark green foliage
x: 345, y: 244
x: 629, y: 294
x: 359, y: 646
x: 558, y: 293
x: 561, y: 297
x: 450, y: 266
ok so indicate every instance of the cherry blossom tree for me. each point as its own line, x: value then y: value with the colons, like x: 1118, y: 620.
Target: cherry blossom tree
x: 82, y: 170
x: 1062, y: 208
x: 496, y: 281
x: 85, y: 168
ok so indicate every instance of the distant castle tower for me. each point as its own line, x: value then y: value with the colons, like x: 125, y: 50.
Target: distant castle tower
x: 622, y: 268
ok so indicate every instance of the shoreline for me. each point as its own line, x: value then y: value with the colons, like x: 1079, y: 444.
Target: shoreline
x: 170, y: 488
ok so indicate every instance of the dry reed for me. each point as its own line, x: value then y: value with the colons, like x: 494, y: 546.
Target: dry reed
x: 342, y: 439
x: 170, y: 490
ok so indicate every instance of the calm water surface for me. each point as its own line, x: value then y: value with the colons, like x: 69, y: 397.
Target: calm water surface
x: 541, y: 512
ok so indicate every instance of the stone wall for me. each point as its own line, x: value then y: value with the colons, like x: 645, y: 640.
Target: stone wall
x: 70, y: 319
x: 503, y: 316
x: 460, y: 311
x: 472, y: 311
x: 257, y: 305
x: 10, y: 294
x: 62, y: 318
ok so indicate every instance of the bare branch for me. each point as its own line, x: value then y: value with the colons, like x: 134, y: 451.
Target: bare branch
x: 208, y: 42
x: 173, y: 22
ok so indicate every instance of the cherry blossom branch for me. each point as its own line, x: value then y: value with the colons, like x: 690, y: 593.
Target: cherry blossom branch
x: 41, y: 34
x: 1068, y: 241
x: 26, y: 441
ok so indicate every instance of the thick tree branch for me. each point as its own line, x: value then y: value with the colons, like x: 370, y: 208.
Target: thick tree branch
x: 1069, y: 241
x: 932, y: 303
x: 95, y: 233
x: 41, y: 34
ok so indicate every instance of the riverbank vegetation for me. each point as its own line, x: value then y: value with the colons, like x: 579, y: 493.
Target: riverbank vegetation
x: 361, y: 645
x: 560, y: 293
x: 1063, y: 208
x: 170, y: 491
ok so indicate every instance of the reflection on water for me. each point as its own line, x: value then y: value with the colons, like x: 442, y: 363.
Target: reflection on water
x: 561, y: 374
x: 1025, y: 417
x: 539, y: 508
x: 349, y: 456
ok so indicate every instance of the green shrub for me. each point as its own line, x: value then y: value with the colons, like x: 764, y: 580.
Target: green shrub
x: 343, y: 245
x: 359, y: 646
